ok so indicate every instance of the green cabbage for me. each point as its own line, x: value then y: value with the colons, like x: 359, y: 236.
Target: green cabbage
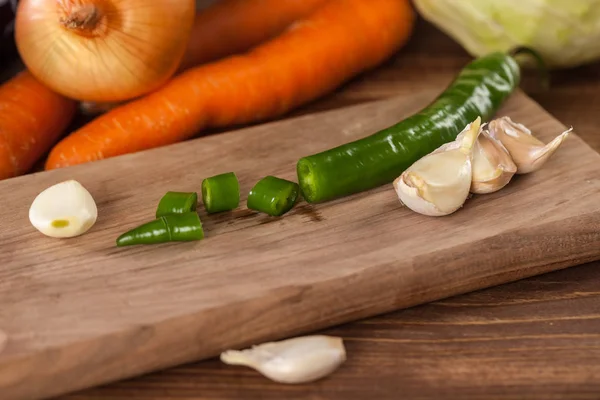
x: 566, y: 33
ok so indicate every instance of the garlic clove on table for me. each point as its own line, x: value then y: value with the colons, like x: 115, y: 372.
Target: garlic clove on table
x: 438, y: 184
x: 63, y: 210
x: 528, y: 153
x: 492, y: 165
x: 297, y: 360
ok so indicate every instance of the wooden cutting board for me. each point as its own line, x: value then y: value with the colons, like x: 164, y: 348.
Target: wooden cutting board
x: 81, y: 312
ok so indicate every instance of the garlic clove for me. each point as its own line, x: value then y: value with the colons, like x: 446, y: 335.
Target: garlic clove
x: 493, y: 167
x: 297, y: 360
x: 528, y: 153
x: 63, y: 210
x: 438, y: 184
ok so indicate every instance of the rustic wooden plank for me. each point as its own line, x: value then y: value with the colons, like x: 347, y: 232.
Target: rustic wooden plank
x: 560, y: 309
x: 536, y: 339
x: 375, y: 363
x: 81, y: 312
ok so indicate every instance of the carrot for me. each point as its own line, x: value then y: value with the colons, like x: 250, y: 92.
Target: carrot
x: 311, y: 58
x: 32, y: 117
x: 233, y: 26
x: 229, y: 27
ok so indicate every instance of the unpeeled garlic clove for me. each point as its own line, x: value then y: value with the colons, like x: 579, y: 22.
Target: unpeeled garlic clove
x: 297, y: 360
x: 493, y: 167
x: 63, y: 210
x: 438, y: 184
x: 528, y: 153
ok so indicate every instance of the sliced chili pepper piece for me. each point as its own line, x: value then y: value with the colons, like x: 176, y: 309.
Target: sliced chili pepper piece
x: 273, y: 196
x: 168, y: 228
x: 177, y: 203
x: 478, y: 91
x: 221, y: 192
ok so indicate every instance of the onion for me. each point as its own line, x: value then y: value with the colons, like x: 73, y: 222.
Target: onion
x: 103, y: 50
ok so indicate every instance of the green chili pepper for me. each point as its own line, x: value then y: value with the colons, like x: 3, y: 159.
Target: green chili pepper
x: 168, y: 228
x: 478, y: 91
x: 221, y: 192
x: 177, y: 203
x: 273, y: 196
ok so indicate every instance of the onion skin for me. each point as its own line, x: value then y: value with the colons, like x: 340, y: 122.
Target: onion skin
x: 103, y: 50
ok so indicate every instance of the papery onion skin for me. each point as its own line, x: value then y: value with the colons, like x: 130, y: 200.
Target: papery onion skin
x: 103, y: 50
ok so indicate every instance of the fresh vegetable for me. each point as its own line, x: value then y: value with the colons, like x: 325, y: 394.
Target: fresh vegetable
x: 338, y: 41
x: 565, y: 33
x: 168, y: 228
x: 297, y: 360
x: 177, y: 203
x: 103, y: 50
x: 493, y: 168
x: 438, y: 184
x: 229, y: 27
x: 63, y: 210
x: 477, y: 162
x: 527, y: 152
x: 273, y: 196
x: 478, y: 91
x: 221, y: 192
x: 32, y: 118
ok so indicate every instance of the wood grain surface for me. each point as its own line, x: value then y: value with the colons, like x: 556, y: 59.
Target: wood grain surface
x: 537, y: 338
x: 494, y: 343
x: 81, y: 312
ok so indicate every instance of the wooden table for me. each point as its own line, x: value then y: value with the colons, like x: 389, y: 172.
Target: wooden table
x: 534, y: 339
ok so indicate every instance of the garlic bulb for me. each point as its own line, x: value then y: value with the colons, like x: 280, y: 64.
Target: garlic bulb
x: 527, y: 152
x: 493, y: 167
x: 297, y: 360
x: 438, y: 184
x: 63, y: 210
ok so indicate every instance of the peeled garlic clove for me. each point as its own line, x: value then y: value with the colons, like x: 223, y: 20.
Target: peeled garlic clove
x: 528, y: 153
x: 297, y: 360
x: 438, y: 184
x: 63, y: 210
x: 493, y: 167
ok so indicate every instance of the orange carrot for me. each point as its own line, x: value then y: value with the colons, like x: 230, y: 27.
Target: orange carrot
x: 32, y: 117
x: 232, y: 26
x: 314, y: 56
x: 229, y: 27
